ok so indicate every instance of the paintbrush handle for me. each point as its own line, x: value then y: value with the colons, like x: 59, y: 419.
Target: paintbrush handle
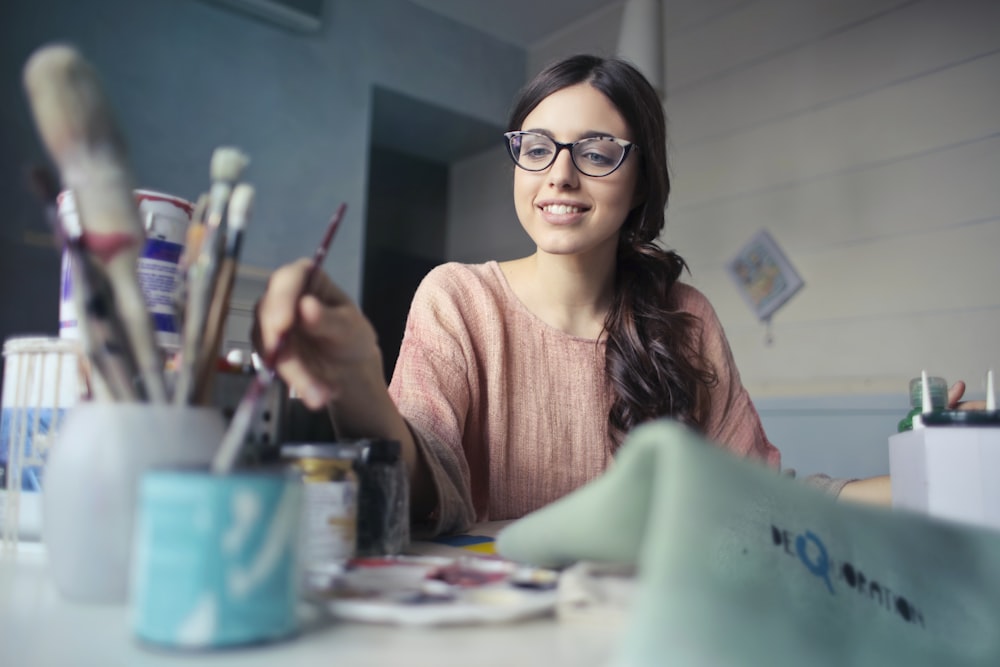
x: 314, y: 266
x: 102, y: 335
x: 215, y: 325
x: 239, y: 427
x: 191, y: 335
x: 76, y: 124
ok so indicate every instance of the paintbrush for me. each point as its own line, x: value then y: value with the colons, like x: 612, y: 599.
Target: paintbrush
x: 239, y: 426
x: 227, y: 165
x: 192, y: 246
x: 102, y: 332
x: 76, y: 125
x: 110, y: 373
x: 237, y: 217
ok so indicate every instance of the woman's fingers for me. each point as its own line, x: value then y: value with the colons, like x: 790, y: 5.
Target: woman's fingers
x: 955, y: 393
x: 955, y: 401
x: 276, y: 309
x: 343, y: 329
x: 314, y: 391
x: 328, y: 339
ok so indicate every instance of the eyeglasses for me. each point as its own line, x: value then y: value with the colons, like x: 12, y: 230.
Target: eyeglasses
x: 593, y: 156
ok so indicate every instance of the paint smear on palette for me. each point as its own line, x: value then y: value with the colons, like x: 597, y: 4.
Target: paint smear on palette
x: 405, y: 590
x: 480, y: 544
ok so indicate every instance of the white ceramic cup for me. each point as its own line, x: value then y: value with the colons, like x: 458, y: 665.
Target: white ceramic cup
x: 91, y: 483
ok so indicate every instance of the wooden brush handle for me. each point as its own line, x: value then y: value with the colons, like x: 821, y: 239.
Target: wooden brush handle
x: 215, y: 325
x: 78, y: 129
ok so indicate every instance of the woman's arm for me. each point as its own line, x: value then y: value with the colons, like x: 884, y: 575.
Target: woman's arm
x: 878, y: 490
x: 873, y: 490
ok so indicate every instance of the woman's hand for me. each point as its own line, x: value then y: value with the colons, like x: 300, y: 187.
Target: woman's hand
x: 330, y: 344
x: 955, y: 402
x: 331, y: 359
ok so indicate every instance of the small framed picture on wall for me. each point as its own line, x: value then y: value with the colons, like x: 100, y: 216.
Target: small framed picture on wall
x: 763, y: 275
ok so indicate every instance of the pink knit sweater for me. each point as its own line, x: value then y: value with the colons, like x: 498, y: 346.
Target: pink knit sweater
x: 511, y: 413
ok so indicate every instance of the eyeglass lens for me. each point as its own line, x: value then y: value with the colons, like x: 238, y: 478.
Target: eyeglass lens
x: 595, y: 157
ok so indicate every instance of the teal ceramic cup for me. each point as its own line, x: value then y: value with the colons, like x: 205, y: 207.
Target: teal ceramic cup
x: 216, y: 560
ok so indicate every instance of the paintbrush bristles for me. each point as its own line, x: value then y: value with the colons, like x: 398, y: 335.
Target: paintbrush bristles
x: 227, y: 164
x: 68, y: 103
x: 77, y: 127
x: 76, y: 124
x: 239, y: 208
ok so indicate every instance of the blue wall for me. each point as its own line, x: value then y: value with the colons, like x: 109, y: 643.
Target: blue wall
x: 186, y: 76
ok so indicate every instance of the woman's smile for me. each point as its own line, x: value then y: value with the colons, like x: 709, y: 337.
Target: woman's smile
x: 562, y: 212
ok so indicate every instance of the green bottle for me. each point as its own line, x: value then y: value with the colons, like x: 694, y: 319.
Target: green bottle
x: 939, y: 399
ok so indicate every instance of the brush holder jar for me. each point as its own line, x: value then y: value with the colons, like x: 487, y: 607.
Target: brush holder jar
x: 91, y: 484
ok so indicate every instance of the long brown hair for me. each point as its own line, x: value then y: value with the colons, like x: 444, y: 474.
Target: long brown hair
x: 652, y: 359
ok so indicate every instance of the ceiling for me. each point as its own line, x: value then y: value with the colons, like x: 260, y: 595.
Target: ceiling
x: 401, y: 123
x: 523, y: 23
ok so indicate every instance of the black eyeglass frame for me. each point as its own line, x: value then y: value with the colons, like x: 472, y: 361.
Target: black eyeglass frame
x: 628, y: 147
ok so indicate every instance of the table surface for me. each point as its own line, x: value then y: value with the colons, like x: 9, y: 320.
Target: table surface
x: 38, y: 627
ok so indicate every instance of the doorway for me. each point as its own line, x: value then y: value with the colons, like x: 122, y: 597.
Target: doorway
x: 413, y: 144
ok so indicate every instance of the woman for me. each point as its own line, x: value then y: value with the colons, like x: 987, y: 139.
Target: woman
x: 516, y: 381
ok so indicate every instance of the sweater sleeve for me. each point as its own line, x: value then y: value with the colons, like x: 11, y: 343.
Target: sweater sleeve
x: 733, y: 420
x: 431, y: 389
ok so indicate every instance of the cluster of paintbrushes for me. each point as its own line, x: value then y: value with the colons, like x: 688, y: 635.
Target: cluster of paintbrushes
x: 77, y: 128
x: 116, y: 329
x: 126, y: 364
x: 206, y: 275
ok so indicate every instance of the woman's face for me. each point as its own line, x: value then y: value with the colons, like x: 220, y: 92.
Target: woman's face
x: 564, y: 211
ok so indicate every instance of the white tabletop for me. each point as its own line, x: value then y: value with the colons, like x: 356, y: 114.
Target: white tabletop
x: 38, y: 627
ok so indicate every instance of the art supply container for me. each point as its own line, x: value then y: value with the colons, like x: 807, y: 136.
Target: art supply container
x: 330, y: 505
x: 41, y: 381
x: 91, y: 483
x: 166, y: 219
x: 383, y: 496
x: 216, y: 558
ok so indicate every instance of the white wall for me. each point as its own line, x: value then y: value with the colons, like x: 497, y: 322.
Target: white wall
x: 865, y: 136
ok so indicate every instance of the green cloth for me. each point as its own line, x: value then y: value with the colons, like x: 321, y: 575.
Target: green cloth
x: 741, y: 566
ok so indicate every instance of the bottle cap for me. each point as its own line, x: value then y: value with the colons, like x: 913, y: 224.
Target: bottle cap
x: 938, y: 387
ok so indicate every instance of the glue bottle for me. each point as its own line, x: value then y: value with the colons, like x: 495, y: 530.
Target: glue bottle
x: 939, y: 399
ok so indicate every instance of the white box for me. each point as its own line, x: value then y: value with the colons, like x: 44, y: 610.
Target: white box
x: 951, y: 472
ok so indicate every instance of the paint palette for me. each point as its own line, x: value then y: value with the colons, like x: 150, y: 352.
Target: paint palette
x: 429, y: 590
